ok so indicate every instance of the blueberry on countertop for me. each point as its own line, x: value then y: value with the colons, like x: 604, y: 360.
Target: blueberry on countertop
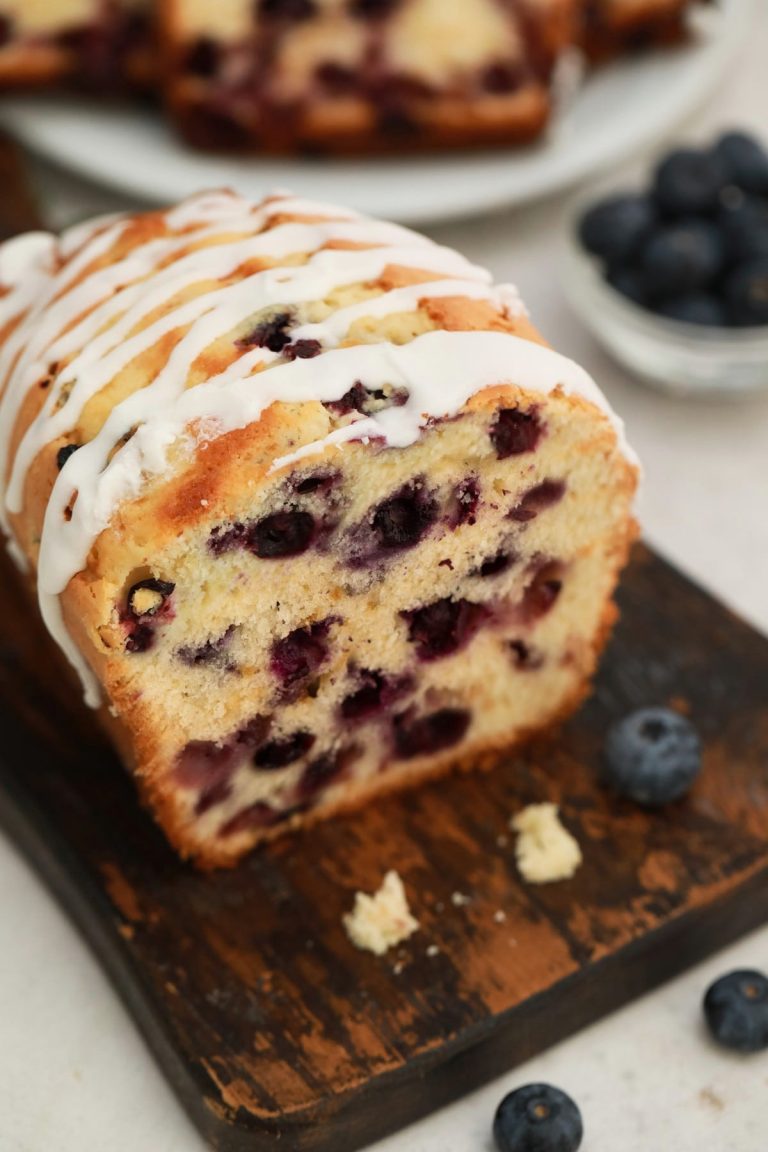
x: 652, y: 756
x: 614, y: 229
x: 689, y: 181
x: 746, y: 293
x: 736, y: 1010
x: 745, y: 161
x: 701, y: 308
x: 682, y: 257
x: 537, y: 1118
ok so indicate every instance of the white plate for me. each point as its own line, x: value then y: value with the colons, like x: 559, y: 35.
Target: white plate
x: 620, y: 110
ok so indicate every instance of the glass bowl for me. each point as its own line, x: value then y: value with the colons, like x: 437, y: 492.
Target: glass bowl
x: 680, y: 358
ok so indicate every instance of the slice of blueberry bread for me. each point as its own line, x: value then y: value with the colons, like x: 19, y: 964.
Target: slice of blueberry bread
x: 95, y: 44
x: 311, y: 507
x: 354, y: 75
x: 610, y: 27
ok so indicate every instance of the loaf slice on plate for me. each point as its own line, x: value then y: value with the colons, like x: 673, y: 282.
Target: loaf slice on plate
x: 310, y: 505
x: 362, y: 75
x: 613, y: 27
x: 101, y: 45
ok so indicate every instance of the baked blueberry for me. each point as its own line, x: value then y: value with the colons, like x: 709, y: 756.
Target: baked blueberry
x: 287, y: 9
x: 515, y: 432
x: 374, y: 691
x: 538, y: 499
x: 538, y: 1118
x: 64, y: 454
x: 401, y: 521
x: 372, y: 9
x: 542, y: 592
x: 736, y: 1010
x: 682, y: 258
x: 702, y: 308
x: 745, y: 161
x: 443, y: 627
x: 282, y: 534
x: 746, y: 293
x: 689, y: 182
x: 614, y: 229
x: 147, y: 597
x: 284, y: 751
x: 303, y: 350
x: 272, y: 333
x: 297, y: 657
x: 423, y: 735
x: 652, y: 756
x: 202, y: 57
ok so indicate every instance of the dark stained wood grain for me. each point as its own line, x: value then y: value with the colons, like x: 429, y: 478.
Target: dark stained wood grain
x: 266, y: 1019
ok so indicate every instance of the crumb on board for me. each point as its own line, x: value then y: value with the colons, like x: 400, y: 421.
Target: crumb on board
x: 379, y: 922
x: 433, y: 950
x: 500, y: 916
x: 545, y: 850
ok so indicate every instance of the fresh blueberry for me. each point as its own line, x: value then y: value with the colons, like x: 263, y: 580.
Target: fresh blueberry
x: 736, y: 1010
x: 537, y: 1118
x: 746, y: 293
x: 652, y: 756
x: 689, y: 182
x: 744, y: 224
x: 630, y: 282
x: 745, y: 161
x: 697, y: 308
x: 682, y: 258
x: 615, y: 228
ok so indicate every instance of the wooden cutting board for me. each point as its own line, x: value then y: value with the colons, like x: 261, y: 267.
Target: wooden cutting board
x: 269, y: 1023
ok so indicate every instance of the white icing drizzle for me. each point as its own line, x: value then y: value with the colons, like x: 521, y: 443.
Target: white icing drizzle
x: 94, y: 322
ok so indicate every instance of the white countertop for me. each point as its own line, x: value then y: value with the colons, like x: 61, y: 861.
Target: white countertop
x: 74, y: 1073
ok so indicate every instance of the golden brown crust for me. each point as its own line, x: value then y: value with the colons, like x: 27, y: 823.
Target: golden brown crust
x: 224, y: 479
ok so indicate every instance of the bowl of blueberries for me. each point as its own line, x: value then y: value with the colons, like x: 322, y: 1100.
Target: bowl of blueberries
x: 672, y: 278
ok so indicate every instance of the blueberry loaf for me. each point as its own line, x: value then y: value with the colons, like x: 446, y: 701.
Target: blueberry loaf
x: 310, y: 505
x: 350, y: 75
x: 609, y: 27
x: 95, y: 44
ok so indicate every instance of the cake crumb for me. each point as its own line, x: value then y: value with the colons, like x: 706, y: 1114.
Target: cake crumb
x: 545, y: 850
x: 379, y: 922
x: 433, y: 950
x: 459, y: 900
x: 500, y: 916
x: 709, y: 1097
x: 398, y: 968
